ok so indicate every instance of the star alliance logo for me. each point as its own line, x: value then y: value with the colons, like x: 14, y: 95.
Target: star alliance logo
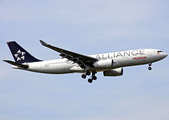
x: 20, y: 55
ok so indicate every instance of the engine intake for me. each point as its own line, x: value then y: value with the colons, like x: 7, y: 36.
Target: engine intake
x: 114, y: 72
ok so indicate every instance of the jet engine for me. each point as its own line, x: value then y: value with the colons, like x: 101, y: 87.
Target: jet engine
x: 114, y: 72
x: 104, y: 64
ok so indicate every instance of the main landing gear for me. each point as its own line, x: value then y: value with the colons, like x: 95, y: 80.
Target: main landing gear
x: 93, y: 77
x: 150, y: 66
x: 84, y: 75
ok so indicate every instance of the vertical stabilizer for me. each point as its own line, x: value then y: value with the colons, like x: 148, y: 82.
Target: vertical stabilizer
x: 19, y: 54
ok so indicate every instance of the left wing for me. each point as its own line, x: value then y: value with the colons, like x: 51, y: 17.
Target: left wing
x: 83, y: 60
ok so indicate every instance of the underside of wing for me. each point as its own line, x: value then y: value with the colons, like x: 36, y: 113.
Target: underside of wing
x: 83, y: 60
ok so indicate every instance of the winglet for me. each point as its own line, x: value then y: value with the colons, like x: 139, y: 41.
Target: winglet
x: 43, y: 43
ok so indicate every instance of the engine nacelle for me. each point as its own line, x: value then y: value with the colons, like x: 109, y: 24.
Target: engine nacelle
x: 104, y: 64
x: 114, y: 72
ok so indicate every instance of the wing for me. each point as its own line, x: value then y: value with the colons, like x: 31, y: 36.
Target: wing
x: 83, y: 60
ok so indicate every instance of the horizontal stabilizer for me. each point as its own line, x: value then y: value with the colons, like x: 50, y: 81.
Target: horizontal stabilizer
x: 16, y: 64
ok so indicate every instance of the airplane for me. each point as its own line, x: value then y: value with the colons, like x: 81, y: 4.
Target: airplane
x: 111, y: 64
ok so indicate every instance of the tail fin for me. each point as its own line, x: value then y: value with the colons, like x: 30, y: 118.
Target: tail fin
x: 19, y: 54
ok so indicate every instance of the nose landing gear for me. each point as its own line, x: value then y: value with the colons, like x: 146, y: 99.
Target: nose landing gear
x: 150, y: 66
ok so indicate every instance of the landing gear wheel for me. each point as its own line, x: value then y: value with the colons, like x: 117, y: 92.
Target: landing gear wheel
x: 94, y: 78
x: 83, y: 76
x: 149, y: 68
x: 90, y: 80
x: 87, y: 73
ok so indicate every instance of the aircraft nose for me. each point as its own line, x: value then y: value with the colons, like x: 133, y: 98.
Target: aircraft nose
x: 165, y: 54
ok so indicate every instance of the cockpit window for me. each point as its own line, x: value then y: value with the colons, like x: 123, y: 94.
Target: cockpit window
x: 159, y: 51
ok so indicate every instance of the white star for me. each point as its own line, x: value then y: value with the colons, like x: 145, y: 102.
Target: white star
x: 23, y: 53
x: 18, y: 59
x: 16, y: 55
x: 23, y: 57
x: 20, y: 53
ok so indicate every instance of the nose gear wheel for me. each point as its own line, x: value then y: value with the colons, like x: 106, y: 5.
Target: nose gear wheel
x: 150, y: 66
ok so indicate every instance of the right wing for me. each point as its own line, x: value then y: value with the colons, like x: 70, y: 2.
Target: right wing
x: 83, y: 60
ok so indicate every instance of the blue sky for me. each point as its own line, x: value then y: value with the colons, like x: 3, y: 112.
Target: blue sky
x: 87, y: 27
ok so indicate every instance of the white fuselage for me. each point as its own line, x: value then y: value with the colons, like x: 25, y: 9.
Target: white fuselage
x: 120, y: 59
